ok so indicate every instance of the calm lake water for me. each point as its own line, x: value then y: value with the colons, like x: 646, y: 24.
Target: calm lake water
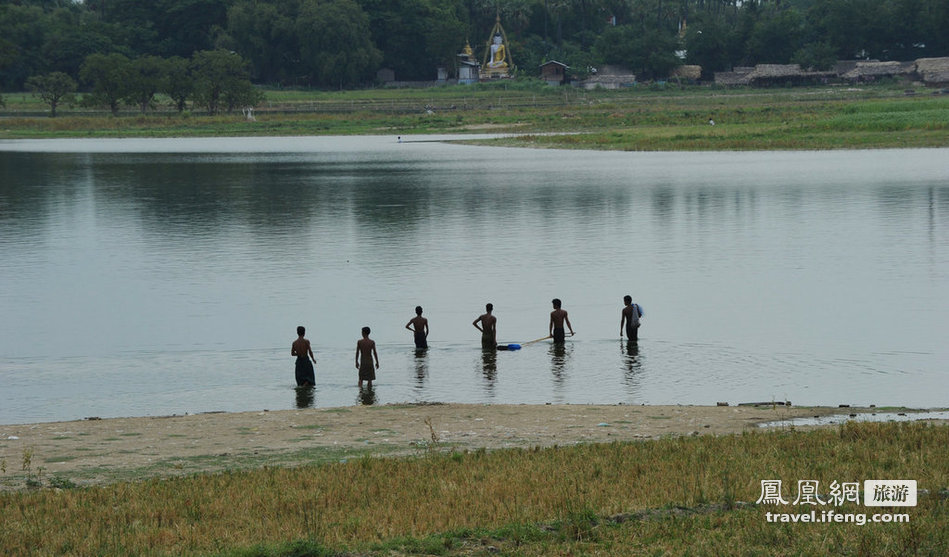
x: 154, y: 277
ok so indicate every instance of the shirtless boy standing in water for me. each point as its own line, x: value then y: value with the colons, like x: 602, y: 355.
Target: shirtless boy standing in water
x: 304, y: 369
x: 365, y: 350
x: 630, y: 318
x: 557, y: 319
x: 488, y: 325
x: 419, y: 326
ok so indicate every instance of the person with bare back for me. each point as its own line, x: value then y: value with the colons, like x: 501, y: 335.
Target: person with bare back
x: 419, y: 326
x: 304, y: 353
x: 488, y: 325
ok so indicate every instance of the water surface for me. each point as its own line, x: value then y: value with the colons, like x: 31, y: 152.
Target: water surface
x: 152, y: 277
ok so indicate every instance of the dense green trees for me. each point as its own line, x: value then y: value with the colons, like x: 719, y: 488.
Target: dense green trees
x: 213, y: 79
x: 416, y: 36
x: 303, y: 42
x: 342, y: 43
x: 335, y: 46
x: 264, y: 34
x: 162, y: 27
x: 649, y: 52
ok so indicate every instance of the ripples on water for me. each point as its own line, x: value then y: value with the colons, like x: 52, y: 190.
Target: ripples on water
x: 167, y: 276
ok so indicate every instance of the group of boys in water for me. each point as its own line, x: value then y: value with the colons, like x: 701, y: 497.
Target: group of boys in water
x: 486, y: 323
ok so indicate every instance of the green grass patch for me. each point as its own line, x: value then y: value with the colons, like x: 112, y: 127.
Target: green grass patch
x: 689, y: 495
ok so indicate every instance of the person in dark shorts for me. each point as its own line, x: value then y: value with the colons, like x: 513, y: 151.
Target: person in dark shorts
x: 488, y: 325
x: 304, y: 353
x: 557, y: 319
x: 419, y: 326
x: 365, y: 350
x: 630, y: 318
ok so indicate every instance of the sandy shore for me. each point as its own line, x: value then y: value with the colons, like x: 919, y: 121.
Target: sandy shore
x: 93, y: 451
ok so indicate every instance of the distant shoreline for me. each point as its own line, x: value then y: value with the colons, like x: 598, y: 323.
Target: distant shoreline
x: 808, y: 118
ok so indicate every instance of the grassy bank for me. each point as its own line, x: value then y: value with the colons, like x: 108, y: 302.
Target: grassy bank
x: 676, y: 495
x: 636, y: 119
x: 894, y: 123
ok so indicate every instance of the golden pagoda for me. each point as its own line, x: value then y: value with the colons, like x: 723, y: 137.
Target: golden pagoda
x: 468, y: 68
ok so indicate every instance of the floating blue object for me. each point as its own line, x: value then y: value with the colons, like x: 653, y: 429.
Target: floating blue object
x: 509, y: 347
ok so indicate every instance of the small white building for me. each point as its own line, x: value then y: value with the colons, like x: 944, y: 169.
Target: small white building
x: 469, y: 71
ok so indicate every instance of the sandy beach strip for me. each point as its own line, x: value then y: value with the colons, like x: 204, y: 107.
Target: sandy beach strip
x: 100, y: 451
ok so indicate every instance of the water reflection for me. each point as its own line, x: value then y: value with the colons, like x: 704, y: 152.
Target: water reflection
x: 305, y: 397
x: 559, y: 360
x: 633, y: 366
x: 366, y: 396
x: 631, y: 355
x: 421, y: 368
x: 489, y: 369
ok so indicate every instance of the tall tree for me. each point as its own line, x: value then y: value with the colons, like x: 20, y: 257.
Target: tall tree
x: 241, y: 94
x: 24, y: 29
x: 178, y: 83
x: 68, y: 41
x: 7, y: 53
x: 108, y: 75
x: 845, y: 24
x: 53, y: 88
x: 264, y: 34
x: 335, y: 45
x: 135, y: 23
x: 186, y: 26
x: 216, y: 74
x: 415, y: 36
x: 706, y: 43
x: 649, y: 53
x: 775, y: 36
x: 147, y: 75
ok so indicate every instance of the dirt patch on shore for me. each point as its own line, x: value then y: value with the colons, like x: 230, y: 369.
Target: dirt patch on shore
x: 91, y: 452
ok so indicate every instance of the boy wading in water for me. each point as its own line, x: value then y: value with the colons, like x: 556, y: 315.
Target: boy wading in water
x: 304, y: 369
x: 419, y: 326
x: 557, y: 319
x: 488, y: 325
x: 630, y: 318
x: 365, y: 350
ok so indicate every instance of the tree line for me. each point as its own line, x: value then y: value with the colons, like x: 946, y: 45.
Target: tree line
x: 343, y: 43
x: 213, y: 79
